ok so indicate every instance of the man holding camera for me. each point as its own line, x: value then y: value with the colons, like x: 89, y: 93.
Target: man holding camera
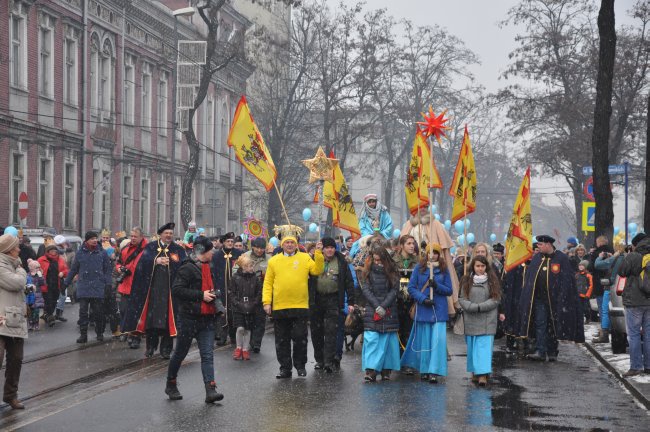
x: 125, y: 267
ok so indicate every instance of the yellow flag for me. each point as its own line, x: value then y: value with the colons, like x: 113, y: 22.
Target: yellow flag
x: 519, y: 243
x: 249, y: 146
x: 337, y: 197
x: 463, y: 185
x: 422, y: 174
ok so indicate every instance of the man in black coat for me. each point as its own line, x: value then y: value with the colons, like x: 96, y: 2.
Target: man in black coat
x: 327, y: 297
x: 549, y: 303
x: 222, y: 268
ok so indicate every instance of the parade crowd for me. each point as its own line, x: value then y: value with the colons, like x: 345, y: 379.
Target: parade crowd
x: 397, y: 297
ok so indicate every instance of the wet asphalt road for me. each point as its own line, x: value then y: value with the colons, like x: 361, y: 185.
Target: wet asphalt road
x: 573, y: 394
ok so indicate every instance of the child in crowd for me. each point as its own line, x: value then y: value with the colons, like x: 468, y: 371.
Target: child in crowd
x: 245, y: 296
x: 584, y: 284
x: 34, y: 293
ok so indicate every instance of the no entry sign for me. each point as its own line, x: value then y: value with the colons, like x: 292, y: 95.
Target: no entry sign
x: 23, y: 206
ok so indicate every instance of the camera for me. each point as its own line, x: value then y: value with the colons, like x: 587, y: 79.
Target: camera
x: 123, y: 274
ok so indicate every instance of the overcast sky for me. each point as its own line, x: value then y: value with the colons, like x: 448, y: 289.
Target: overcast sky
x: 476, y: 22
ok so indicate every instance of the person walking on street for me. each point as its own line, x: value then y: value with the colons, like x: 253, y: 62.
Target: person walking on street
x: 601, y: 285
x: 195, y: 290
x: 92, y: 265
x: 125, y: 266
x: 381, y: 318
x: 636, y: 300
x: 327, y: 294
x: 54, y: 270
x: 480, y: 294
x: 405, y: 259
x: 245, y: 298
x: 223, y: 262
x: 285, y: 297
x: 13, y: 324
x: 260, y: 260
x: 585, y: 286
x: 429, y: 287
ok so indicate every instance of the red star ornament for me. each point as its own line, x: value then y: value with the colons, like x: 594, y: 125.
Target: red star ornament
x: 433, y: 125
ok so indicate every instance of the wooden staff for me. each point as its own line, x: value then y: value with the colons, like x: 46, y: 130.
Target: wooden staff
x: 281, y: 202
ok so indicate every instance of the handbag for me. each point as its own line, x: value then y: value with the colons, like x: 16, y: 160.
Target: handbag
x: 620, y: 285
x: 459, y: 324
x: 413, y: 307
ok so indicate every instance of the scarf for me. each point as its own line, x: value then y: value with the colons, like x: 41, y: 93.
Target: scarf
x: 207, y: 285
x: 480, y: 279
x: 91, y: 248
x: 372, y: 213
x: 52, y: 276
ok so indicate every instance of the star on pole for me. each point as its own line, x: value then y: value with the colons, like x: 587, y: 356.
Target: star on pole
x: 433, y: 125
x: 321, y: 167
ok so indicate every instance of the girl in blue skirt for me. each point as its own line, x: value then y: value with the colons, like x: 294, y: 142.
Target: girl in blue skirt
x: 480, y: 293
x: 380, y: 321
x: 426, y: 349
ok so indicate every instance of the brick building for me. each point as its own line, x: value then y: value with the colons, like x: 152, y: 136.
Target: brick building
x: 86, y: 116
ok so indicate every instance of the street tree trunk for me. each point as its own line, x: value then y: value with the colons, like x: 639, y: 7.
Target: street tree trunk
x: 602, y: 114
x: 646, y: 209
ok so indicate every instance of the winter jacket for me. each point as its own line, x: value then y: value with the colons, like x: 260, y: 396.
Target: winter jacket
x: 439, y: 312
x: 380, y: 291
x: 599, y: 273
x: 94, y: 270
x: 480, y: 311
x: 12, y: 297
x: 38, y: 283
x: 260, y: 263
x: 633, y: 294
x: 187, y: 289
x: 26, y: 252
x: 44, y: 261
x: 245, y: 292
x: 584, y: 284
x: 345, y: 283
x: 125, y: 286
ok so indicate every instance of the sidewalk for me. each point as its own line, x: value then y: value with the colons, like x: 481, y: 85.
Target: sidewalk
x: 618, y: 364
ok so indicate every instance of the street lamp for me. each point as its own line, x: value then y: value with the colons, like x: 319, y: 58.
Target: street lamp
x: 182, y: 12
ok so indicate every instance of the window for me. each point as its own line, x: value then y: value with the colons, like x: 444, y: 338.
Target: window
x: 145, y: 120
x: 127, y: 212
x: 18, y: 50
x: 17, y: 184
x: 94, y: 76
x: 101, y: 183
x: 68, y: 195
x: 144, y: 205
x: 162, y: 104
x: 44, y: 194
x: 101, y: 78
x: 160, y: 204
x: 129, y: 89
x: 46, y: 56
x: 104, y: 198
x: 70, y: 71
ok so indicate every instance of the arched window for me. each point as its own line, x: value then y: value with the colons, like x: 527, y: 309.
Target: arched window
x: 105, y: 98
x: 94, y: 65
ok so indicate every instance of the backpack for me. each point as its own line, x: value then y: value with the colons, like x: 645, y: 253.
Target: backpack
x: 645, y: 281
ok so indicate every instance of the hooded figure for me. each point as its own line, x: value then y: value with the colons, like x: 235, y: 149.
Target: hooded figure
x: 374, y: 216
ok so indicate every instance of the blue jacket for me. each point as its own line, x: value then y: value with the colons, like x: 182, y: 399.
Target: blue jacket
x: 94, y: 270
x: 385, y: 225
x: 439, y: 312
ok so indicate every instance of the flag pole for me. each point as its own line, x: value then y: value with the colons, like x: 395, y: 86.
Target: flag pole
x: 321, y: 204
x: 281, y: 202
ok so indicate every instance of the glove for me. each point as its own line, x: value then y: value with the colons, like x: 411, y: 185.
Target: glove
x: 380, y: 311
x: 427, y: 302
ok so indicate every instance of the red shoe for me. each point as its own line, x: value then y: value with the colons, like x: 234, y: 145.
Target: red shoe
x: 246, y: 355
x: 237, y: 355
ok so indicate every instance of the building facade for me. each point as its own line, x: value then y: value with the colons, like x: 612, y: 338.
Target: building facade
x: 86, y: 117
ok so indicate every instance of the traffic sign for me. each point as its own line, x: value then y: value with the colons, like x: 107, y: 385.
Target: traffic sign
x: 612, y: 169
x: 589, y: 189
x: 588, y: 216
x: 23, y: 206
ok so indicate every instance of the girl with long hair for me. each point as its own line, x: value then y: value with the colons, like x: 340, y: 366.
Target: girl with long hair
x: 480, y: 294
x: 381, y: 321
x: 429, y: 287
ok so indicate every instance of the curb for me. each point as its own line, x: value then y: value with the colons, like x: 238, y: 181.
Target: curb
x: 641, y: 398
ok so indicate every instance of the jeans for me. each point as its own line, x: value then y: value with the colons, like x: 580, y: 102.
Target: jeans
x: 546, y: 339
x: 202, y: 330
x: 637, y: 321
x: 11, y: 348
x: 324, y: 324
x: 603, y: 309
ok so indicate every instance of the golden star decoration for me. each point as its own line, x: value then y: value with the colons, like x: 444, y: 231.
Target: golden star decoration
x: 321, y: 167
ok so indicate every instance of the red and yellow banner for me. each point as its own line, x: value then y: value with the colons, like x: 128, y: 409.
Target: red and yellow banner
x: 422, y: 174
x: 337, y: 197
x: 463, y: 185
x: 519, y: 242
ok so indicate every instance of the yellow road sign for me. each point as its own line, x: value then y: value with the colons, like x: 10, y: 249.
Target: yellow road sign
x: 588, y: 216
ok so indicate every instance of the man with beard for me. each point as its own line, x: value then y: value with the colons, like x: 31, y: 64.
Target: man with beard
x: 126, y: 265
x: 549, y: 306
x: 150, y: 310
x: 222, y: 267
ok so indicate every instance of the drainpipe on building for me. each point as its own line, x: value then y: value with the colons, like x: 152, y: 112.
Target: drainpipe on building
x: 84, y: 126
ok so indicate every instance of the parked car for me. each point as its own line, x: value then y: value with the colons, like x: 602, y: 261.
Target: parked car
x: 617, y: 332
x: 36, y: 237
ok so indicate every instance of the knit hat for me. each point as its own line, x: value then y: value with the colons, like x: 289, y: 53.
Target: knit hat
x: 435, y: 247
x: 328, y: 242
x: 59, y: 240
x: 572, y: 240
x: 584, y: 263
x: 259, y: 242
x: 90, y: 235
x: 202, y: 245
x: 637, y: 238
x: 8, y: 242
x: 50, y: 248
x: 33, y: 265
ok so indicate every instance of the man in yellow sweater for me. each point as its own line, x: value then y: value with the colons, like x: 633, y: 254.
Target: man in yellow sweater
x: 286, y: 296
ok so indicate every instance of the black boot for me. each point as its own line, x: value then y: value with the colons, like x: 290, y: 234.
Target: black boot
x: 172, y: 390
x: 59, y: 316
x: 211, y: 394
x: 51, y: 320
x: 83, y: 337
x: 135, y: 342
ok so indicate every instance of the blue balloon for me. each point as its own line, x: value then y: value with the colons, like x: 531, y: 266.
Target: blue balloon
x: 467, y: 223
x: 274, y: 241
x: 617, y: 230
x: 11, y: 231
x: 453, y: 250
x: 313, y: 227
x: 447, y: 224
x: 459, y: 226
x: 432, y: 208
x: 632, y: 227
x: 306, y: 214
x: 396, y: 233
x: 493, y: 237
x: 470, y: 238
x: 461, y: 239
x: 437, y: 216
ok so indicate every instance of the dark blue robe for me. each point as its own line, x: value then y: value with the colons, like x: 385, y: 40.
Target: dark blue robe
x: 513, y: 282
x: 563, y: 295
